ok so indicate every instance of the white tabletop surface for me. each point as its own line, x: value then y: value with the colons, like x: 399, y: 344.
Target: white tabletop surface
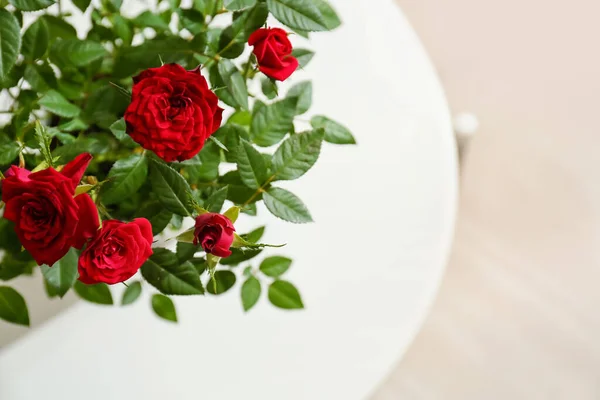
x: 368, y: 268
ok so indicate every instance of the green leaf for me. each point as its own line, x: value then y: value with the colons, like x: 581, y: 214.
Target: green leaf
x: 251, y: 165
x: 221, y: 282
x: 98, y: 293
x: 13, y: 307
x: 275, y: 266
x: 31, y: 5
x: 284, y: 295
x: 77, y: 53
x: 82, y: 4
x: 250, y: 292
x: 270, y: 123
x: 242, y: 118
x: 297, y: 155
x: 154, y: 212
x: 149, y: 20
x: 132, y: 293
x: 269, y: 87
x: 186, y: 251
x: 334, y: 132
x: 164, y: 307
x: 125, y: 178
x: 240, y: 255
x: 59, y: 28
x: 303, y: 56
x: 330, y: 17
x: 255, y: 235
x: 164, y: 271
x: 10, y: 41
x: 63, y: 274
x: 74, y: 125
x: 122, y: 29
x: 303, y: 92
x: 236, y: 85
x: 233, y: 213
x: 298, y: 14
x: 216, y: 200
x: 237, y: 5
x: 171, y: 188
x: 40, y: 76
x: 9, y: 150
x: 35, y: 40
x: 57, y: 104
x: 286, y: 205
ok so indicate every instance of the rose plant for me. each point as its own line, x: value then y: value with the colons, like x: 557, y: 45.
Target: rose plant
x: 113, y: 137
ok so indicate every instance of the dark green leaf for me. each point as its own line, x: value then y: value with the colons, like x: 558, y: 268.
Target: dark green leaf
x: 275, y: 266
x: 132, y: 293
x: 284, y: 295
x: 72, y: 126
x: 222, y: 282
x: 59, y: 28
x: 31, y: 5
x: 270, y: 123
x: 77, y: 53
x: 255, y: 235
x: 41, y: 77
x: 125, y: 178
x: 250, y: 292
x: 9, y: 150
x: 215, y: 202
x: 164, y: 271
x: 334, y: 132
x: 13, y: 307
x: 10, y: 41
x: 82, y: 4
x: 235, y: 83
x: 286, y: 205
x: 298, y: 14
x: 98, y: 293
x: 35, y: 40
x: 119, y: 129
x: 149, y: 20
x: 303, y: 56
x: 238, y: 256
x: 122, y: 29
x: 63, y: 274
x: 57, y: 104
x: 297, y: 155
x: 164, y: 307
x: 303, y: 92
x: 154, y: 212
x: 171, y: 188
x: 251, y: 166
x: 186, y: 251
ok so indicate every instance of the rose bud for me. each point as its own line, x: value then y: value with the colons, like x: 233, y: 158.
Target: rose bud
x: 214, y: 232
x: 273, y: 52
x: 117, y: 252
x: 172, y: 112
x: 48, y: 218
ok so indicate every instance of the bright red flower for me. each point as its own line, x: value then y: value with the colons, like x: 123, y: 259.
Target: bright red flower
x: 117, y: 252
x: 214, y: 232
x: 273, y: 52
x: 172, y: 112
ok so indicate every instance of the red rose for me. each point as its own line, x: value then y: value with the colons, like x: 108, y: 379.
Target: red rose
x: 172, y: 112
x: 215, y: 233
x: 117, y: 252
x: 48, y: 218
x: 273, y: 51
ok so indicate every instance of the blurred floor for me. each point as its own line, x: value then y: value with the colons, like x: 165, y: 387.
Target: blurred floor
x: 518, y: 315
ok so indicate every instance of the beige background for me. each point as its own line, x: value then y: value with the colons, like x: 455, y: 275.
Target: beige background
x: 518, y: 313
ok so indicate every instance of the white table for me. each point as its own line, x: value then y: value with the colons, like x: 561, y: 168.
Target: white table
x: 368, y: 268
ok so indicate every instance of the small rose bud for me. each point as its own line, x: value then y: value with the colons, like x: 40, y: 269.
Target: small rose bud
x: 214, y: 232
